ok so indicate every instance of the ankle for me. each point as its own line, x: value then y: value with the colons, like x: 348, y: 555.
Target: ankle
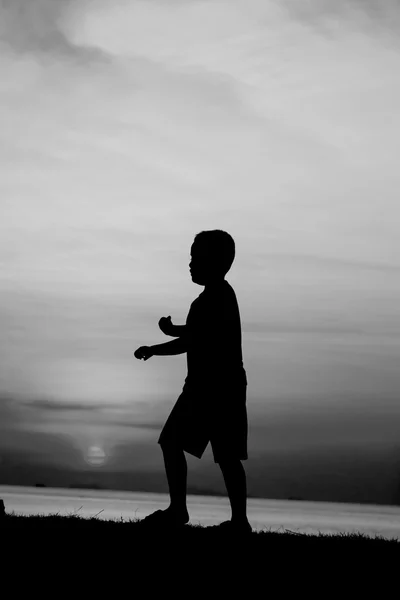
x: 239, y: 519
x: 178, y: 509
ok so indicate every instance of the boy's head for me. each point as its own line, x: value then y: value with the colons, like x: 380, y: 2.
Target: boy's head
x: 212, y: 255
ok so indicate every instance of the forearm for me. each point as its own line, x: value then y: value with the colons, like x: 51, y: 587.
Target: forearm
x: 177, y: 346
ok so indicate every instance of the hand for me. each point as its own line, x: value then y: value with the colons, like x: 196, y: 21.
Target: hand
x: 143, y: 352
x: 166, y: 326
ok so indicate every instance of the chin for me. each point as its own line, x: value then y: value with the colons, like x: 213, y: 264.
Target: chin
x: 196, y: 280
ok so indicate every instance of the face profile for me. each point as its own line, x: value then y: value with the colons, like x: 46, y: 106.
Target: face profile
x: 202, y: 266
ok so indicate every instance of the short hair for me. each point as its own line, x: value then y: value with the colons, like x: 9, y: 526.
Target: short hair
x: 220, y: 244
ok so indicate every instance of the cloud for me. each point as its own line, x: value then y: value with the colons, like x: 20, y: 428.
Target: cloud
x: 59, y: 406
x: 20, y: 441
x: 372, y: 16
x: 9, y: 414
x: 156, y: 425
x: 309, y: 426
x: 37, y: 26
x: 134, y: 417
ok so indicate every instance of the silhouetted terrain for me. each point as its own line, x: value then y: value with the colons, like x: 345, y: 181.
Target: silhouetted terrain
x: 195, y: 540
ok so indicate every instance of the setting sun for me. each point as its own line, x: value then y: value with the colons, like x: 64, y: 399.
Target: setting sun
x: 96, y: 455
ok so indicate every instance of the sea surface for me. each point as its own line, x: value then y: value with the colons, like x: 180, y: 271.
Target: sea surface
x: 263, y: 514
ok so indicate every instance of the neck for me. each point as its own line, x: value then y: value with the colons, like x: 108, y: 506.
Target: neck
x: 214, y: 282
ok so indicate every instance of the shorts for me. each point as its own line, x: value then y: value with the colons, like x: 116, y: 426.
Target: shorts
x: 218, y: 417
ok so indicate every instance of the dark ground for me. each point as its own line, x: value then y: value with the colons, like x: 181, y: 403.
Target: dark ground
x: 195, y: 559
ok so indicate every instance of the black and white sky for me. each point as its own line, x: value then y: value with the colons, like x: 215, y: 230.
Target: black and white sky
x: 126, y: 127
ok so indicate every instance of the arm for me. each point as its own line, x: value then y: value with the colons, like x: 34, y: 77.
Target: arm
x: 179, y: 330
x: 177, y: 346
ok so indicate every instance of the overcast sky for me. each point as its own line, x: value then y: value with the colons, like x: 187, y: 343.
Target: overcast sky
x: 126, y: 127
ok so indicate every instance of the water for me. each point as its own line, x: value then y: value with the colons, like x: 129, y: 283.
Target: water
x: 273, y: 515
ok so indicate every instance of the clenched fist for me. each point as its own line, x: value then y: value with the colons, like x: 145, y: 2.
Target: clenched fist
x: 166, y: 326
x: 143, y: 352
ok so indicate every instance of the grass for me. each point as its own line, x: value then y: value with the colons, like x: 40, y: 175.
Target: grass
x: 79, y: 551
x: 196, y: 535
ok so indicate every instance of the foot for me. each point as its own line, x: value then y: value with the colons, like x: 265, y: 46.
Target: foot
x: 242, y: 526
x: 167, y: 517
x: 182, y: 515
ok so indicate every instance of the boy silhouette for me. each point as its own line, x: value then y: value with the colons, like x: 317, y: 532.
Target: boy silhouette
x: 212, y: 405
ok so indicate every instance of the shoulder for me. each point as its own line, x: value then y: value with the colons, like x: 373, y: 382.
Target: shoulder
x: 229, y: 296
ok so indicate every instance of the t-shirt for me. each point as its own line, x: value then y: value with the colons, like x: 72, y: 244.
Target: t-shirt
x: 214, y: 336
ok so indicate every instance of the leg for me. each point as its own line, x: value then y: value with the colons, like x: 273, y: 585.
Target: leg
x: 176, y: 470
x: 235, y: 481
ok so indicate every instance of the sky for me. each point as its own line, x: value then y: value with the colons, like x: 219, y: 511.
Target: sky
x: 126, y: 127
